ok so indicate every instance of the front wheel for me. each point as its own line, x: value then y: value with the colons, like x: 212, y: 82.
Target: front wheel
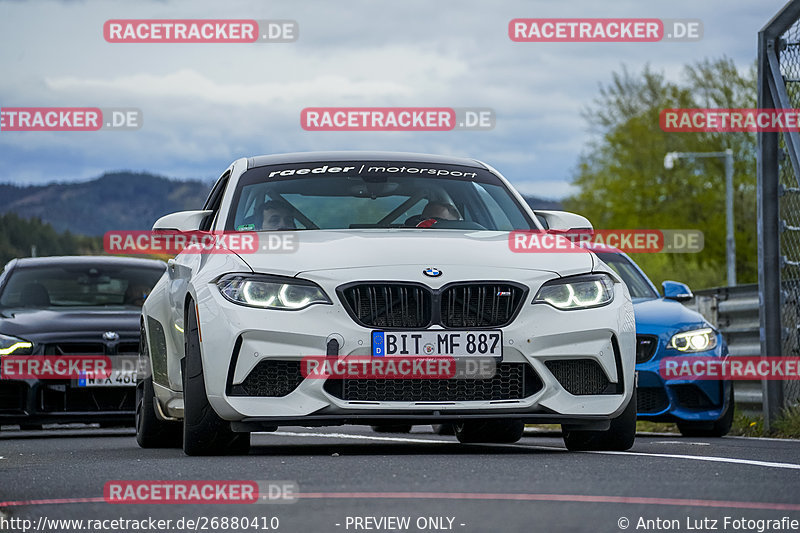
x: 151, y: 431
x: 618, y: 437
x: 204, y: 432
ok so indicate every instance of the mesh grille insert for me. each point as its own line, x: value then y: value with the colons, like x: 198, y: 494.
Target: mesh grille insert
x: 579, y: 376
x: 513, y: 381
x: 691, y: 397
x: 651, y: 400
x: 270, y: 378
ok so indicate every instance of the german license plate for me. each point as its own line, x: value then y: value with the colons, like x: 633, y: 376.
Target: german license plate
x: 482, y: 343
x: 117, y: 378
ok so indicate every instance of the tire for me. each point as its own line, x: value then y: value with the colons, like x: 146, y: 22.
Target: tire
x: 444, y: 429
x: 619, y: 437
x: 718, y: 428
x: 151, y: 431
x: 500, y: 431
x: 204, y: 432
x: 392, y: 428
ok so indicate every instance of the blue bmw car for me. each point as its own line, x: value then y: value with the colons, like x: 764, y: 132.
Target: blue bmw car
x: 665, y: 328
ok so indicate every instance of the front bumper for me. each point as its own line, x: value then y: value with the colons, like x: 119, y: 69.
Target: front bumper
x: 33, y: 401
x: 674, y: 400
x: 236, y: 339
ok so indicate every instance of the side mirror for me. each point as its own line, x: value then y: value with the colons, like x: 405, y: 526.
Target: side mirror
x: 563, y: 220
x: 181, y: 221
x: 679, y: 292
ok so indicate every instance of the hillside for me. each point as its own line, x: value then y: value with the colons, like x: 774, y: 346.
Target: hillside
x: 114, y: 201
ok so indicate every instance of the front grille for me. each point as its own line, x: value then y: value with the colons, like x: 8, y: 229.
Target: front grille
x: 75, y: 348
x: 12, y: 397
x: 384, y: 305
x: 270, y: 378
x: 691, y: 397
x: 579, y: 376
x: 645, y: 347
x: 513, y: 381
x: 480, y: 305
x: 61, y: 398
x: 651, y: 400
x: 128, y: 348
x: 411, y: 306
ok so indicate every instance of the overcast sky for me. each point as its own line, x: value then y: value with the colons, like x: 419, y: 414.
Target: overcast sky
x: 205, y: 105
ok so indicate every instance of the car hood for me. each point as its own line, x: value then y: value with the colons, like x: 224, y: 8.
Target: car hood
x: 36, y: 324
x: 343, y: 249
x: 658, y: 315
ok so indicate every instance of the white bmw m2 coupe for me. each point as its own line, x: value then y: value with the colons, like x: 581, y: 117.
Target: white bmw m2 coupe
x: 381, y: 257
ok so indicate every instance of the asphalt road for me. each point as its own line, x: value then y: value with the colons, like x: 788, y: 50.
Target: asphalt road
x: 351, y: 478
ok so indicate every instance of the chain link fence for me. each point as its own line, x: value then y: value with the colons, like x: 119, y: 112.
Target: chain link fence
x: 779, y: 204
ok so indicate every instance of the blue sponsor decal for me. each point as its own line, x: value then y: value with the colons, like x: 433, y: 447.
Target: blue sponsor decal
x: 82, y: 379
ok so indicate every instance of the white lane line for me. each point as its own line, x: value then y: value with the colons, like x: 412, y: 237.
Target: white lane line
x: 710, y: 459
x: 684, y: 442
x: 769, y: 439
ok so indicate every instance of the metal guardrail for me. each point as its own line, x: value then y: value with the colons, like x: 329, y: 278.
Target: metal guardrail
x: 735, y: 312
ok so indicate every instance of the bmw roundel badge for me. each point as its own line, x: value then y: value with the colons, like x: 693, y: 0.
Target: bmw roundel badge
x: 432, y: 272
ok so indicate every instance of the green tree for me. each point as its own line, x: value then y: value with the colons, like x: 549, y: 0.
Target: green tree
x: 623, y: 183
x: 18, y: 235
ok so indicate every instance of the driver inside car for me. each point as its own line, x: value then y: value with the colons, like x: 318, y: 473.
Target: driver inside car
x: 276, y: 216
x: 432, y: 213
x: 440, y: 210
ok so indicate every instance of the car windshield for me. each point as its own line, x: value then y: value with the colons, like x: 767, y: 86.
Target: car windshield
x: 350, y: 195
x: 83, y: 285
x: 638, y: 285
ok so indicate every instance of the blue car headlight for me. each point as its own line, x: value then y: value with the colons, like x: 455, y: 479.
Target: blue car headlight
x: 577, y: 292
x: 14, y: 346
x: 696, y: 340
x: 271, y: 292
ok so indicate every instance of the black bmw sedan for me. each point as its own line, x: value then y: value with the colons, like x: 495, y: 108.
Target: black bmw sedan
x: 64, y: 309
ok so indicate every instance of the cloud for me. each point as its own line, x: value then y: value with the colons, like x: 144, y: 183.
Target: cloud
x: 205, y: 105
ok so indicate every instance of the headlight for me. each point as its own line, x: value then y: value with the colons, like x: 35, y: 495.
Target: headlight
x: 577, y: 292
x: 14, y: 346
x: 698, y: 340
x: 270, y: 292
